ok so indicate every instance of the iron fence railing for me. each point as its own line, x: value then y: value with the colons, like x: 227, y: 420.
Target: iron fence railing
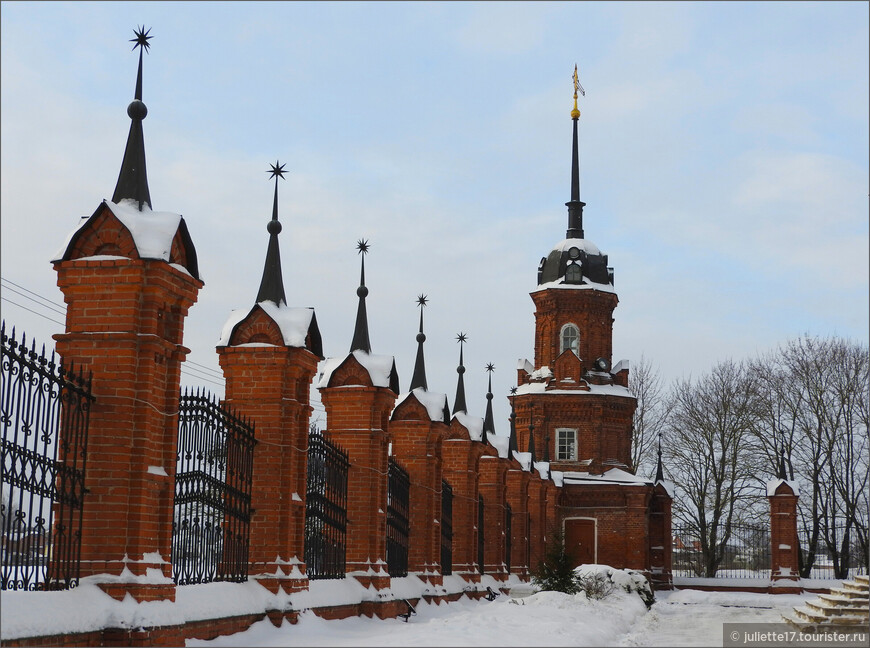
x: 847, y: 559
x: 446, y: 528
x: 214, y: 473
x: 325, y: 508
x: 45, y: 413
x: 398, y: 494
x: 740, y: 551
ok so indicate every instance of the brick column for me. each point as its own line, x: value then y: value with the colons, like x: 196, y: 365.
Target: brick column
x: 460, y: 457
x: 784, y: 545
x: 358, y: 421
x: 537, y: 520
x: 493, y: 485
x: 125, y: 323
x: 417, y: 444
x: 660, y: 539
x: 518, y: 497
x: 270, y: 385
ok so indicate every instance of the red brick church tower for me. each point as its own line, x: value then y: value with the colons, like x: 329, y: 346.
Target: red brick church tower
x: 573, y: 407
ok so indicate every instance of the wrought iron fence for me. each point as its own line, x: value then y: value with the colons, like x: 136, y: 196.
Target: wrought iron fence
x: 45, y: 413
x: 398, y: 494
x: 214, y: 470
x: 446, y: 528
x: 508, y: 514
x: 325, y: 508
x: 480, y: 540
x: 849, y: 558
x: 741, y: 551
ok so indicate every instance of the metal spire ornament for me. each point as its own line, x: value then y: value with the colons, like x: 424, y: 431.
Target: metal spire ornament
x: 360, y: 340
x: 512, y: 443
x: 419, y: 377
x: 575, y: 206
x: 488, y: 421
x: 459, y: 402
x: 660, y: 473
x: 133, y: 179
x: 272, y: 283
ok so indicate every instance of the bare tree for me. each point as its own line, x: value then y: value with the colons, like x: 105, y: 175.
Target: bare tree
x: 710, y: 458
x: 649, y: 416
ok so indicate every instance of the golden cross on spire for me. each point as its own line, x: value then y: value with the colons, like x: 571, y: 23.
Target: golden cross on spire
x: 576, y: 113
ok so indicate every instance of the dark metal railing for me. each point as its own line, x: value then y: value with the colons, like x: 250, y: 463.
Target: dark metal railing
x: 446, y: 528
x: 45, y: 413
x: 325, y: 508
x: 742, y: 552
x: 845, y: 556
x: 508, y: 514
x: 214, y: 471
x: 480, y: 538
x: 398, y: 494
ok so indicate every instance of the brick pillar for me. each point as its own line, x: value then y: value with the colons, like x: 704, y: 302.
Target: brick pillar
x: 493, y: 484
x: 518, y: 497
x: 358, y: 420
x: 460, y: 460
x: 537, y: 520
x: 660, y: 539
x: 784, y: 545
x: 636, y: 529
x: 124, y: 323
x: 270, y: 385
x: 417, y: 444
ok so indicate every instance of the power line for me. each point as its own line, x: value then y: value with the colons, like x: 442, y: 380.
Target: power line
x: 9, y: 301
x: 45, y: 299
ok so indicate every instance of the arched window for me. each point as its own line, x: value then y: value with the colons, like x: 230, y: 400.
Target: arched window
x: 573, y: 273
x: 570, y: 339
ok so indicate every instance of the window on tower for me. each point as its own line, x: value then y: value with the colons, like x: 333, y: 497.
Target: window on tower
x: 566, y: 444
x: 570, y: 339
x: 574, y: 273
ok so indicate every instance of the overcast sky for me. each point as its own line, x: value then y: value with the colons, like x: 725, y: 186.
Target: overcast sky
x: 723, y: 147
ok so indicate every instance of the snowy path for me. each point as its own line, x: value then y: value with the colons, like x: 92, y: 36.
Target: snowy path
x: 695, y: 618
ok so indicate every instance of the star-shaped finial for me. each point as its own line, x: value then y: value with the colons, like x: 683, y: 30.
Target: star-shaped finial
x: 362, y: 246
x: 421, y: 300
x: 490, y: 367
x: 513, y: 390
x: 142, y: 38
x: 462, y: 337
x: 277, y: 170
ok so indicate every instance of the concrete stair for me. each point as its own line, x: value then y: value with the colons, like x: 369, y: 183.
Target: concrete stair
x: 843, y: 608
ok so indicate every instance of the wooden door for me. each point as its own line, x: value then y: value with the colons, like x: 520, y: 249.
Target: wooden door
x: 580, y: 541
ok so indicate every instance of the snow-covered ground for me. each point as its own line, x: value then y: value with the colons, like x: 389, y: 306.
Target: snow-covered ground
x: 681, y: 618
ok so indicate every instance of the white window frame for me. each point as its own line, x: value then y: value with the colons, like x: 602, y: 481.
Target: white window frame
x: 559, y: 437
x: 562, y: 332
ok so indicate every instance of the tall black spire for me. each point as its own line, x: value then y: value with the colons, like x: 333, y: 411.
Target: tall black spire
x: 575, y: 205
x: 459, y: 403
x: 419, y: 378
x: 660, y: 473
x: 133, y: 180
x: 488, y: 421
x: 272, y: 283
x: 512, y: 444
x: 360, y: 340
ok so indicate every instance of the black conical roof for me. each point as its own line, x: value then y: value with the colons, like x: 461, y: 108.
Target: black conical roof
x: 272, y: 283
x: 360, y: 340
x: 459, y: 402
x: 488, y: 421
x: 419, y: 377
x: 133, y: 179
x: 512, y: 444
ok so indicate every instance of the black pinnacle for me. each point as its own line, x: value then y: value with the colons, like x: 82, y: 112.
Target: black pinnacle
x: 546, y: 444
x: 531, y: 442
x: 660, y: 473
x: 360, y: 340
x: 133, y: 179
x: 512, y: 444
x: 272, y: 283
x: 419, y: 377
x: 782, y: 472
x: 575, y: 205
x: 488, y: 421
x: 459, y: 402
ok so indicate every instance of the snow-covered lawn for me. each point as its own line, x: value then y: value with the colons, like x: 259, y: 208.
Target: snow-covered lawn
x: 681, y: 618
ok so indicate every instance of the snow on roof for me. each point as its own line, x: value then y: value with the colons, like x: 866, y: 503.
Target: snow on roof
x: 525, y: 365
x: 596, y: 390
x: 557, y: 476
x: 474, y: 425
x: 152, y: 231
x: 293, y: 322
x: 587, y: 246
x: 774, y: 484
x: 589, y: 285
x: 668, y: 486
x: 379, y: 367
x: 500, y: 442
x: 524, y: 459
x: 432, y: 401
x: 543, y: 468
x: 621, y: 365
x: 614, y: 475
